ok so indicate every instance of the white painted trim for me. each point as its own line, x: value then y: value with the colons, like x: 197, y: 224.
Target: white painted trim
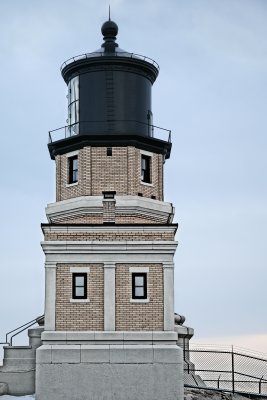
x: 100, y: 252
x: 168, y: 265
x: 80, y: 270
x: 139, y: 269
x: 146, y: 183
x: 136, y: 205
x: 146, y: 153
x: 109, y: 297
x: 115, y: 247
x: 72, y: 184
x: 168, y: 279
x: 72, y: 153
x: 109, y: 265
x: 109, y: 228
x: 139, y: 300
x: 50, y: 297
x: 113, y: 200
x: 79, y: 300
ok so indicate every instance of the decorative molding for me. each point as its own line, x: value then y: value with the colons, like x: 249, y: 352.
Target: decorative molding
x: 138, y: 269
x: 109, y: 265
x: 87, y: 205
x: 168, y: 265
x: 60, y: 228
x: 80, y: 270
x: 99, y: 252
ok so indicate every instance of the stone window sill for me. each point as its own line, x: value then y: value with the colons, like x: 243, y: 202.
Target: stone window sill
x: 139, y: 300
x: 147, y: 184
x: 72, y: 184
x: 79, y: 301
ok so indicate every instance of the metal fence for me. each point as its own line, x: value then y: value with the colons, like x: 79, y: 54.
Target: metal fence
x: 228, y: 369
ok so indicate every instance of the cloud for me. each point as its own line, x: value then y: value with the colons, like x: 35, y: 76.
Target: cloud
x: 254, y: 343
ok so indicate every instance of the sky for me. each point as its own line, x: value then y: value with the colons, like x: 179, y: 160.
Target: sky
x: 211, y: 92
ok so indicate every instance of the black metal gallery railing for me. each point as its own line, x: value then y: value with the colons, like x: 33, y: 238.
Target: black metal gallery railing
x: 113, y: 54
x: 117, y: 127
x: 228, y: 369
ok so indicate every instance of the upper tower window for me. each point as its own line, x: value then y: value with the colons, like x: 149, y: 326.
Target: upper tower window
x: 73, y: 108
x: 145, y: 168
x: 73, y: 169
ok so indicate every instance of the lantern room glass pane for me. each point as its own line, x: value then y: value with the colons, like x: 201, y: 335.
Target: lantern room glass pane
x: 74, y: 89
x: 73, y: 106
x: 74, y: 113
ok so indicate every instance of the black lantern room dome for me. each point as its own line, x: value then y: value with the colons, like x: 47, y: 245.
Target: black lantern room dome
x: 109, y: 94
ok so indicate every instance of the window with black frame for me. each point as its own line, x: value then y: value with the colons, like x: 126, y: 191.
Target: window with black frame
x: 139, y: 285
x: 73, y: 169
x: 145, y: 168
x: 79, y: 286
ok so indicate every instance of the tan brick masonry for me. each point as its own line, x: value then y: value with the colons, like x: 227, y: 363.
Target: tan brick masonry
x: 110, y: 236
x: 90, y: 316
x: 80, y: 316
x: 98, y: 172
x: 139, y: 316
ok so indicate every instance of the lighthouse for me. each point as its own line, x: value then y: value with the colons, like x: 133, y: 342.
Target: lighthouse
x: 109, y: 241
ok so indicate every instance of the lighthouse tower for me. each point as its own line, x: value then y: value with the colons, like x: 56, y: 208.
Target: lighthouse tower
x: 109, y: 241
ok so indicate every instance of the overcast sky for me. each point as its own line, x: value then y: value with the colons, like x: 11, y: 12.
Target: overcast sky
x: 211, y: 92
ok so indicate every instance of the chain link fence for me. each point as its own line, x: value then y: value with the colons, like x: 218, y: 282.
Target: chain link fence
x: 228, y: 369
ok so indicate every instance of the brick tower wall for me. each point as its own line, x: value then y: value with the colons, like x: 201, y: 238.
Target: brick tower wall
x: 79, y: 316
x: 99, y: 172
x: 139, y: 316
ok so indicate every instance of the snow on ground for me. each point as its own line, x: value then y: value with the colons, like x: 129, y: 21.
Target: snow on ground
x: 6, y: 397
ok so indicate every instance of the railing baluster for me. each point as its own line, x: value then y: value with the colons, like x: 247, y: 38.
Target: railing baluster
x: 233, y: 370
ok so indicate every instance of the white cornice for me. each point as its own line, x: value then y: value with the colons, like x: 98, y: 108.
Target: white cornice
x: 109, y: 229
x: 114, y: 246
x: 122, y: 251
x: 133, y: 205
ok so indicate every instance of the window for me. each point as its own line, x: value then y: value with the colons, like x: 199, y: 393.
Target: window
x: 73, y: 169
x: 109, y: 151
x: 139, y: 285
x: 145, y: 168
x: 109, y: 195
x: 150, y: 123
x: 79, y: 286
x: 73, y: 106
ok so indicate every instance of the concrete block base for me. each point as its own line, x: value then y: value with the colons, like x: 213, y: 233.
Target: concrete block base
x: 110, y: 372
x: 3, y: 388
